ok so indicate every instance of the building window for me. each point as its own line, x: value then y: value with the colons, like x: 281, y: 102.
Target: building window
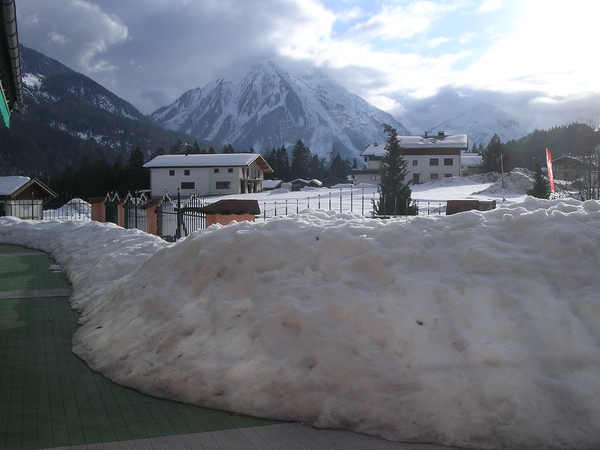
x: 223, y: 185
x: 374, y: 177
x: 434, y: 162
x: 434, y: 176
x: 448, y: 175
x: 216, y: 170
x: 230, y: 170
x: 188, y: 185
x: 186, y: 172
x: 415, y: 162
x: 171, y: 172
x: 448, y: 162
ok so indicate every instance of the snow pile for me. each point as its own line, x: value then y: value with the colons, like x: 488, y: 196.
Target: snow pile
x: 517, y: 181
x: 74, y: 208
x: 478, y: 330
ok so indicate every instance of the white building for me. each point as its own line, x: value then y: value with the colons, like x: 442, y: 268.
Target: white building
x: 428, y: 157
x: 207, y: 174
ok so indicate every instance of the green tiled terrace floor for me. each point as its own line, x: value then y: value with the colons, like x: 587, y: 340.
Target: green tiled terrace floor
x: 48, y: 396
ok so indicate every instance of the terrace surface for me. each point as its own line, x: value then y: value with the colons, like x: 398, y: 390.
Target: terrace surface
x: 50, y: 399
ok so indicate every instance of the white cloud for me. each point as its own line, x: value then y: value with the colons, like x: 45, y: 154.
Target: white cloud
x: 76, y: 31
x: 432, y: 43
x: 57, y: 38
x: 490, y: 5
x: 552, y: 50
x: 466, y: 38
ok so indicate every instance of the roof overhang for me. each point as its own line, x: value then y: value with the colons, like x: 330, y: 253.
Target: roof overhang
x: 10, y: 63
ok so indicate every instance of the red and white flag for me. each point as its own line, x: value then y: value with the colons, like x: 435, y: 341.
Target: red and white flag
x: 550, y: 171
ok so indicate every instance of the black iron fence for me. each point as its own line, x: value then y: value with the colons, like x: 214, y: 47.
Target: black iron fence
x: 180, y: 217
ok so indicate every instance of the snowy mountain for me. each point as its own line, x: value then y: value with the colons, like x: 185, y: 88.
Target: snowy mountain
x: 69, y: 117
x: 46, y: 80
x: 481, y: 122
x: 267, y: 107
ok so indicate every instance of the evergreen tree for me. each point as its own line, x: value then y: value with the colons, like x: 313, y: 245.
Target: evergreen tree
x: 316, y: 168
x: 494, y: 155
x: 195, y: 148
x: 136, y: 175
x: 159, y: 151
x: 283, y: 161
x: 394, y: 192
x: 340, y: 168
x: 177, y: 148
x: 228, y: 149
x: 541, y: 185
x: 301, y: 159
x: 211, y: 151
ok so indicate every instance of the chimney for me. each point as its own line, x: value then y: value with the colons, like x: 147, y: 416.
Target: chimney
x: 425, y: 134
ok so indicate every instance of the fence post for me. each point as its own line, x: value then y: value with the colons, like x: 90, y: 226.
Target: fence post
x: 178, y: 230
x: 351, y: 200
x: 340, y: 199
x: 329, y: 200
x: 319, y: 204
x: 363, y: 202
x: 264, y: 210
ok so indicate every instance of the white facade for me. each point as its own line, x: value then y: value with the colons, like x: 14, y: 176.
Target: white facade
x: 207, y: 174
x: 428, y: 158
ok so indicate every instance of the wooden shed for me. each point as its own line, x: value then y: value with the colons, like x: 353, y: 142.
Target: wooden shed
x: 456, y: 206
x: 226, y: 211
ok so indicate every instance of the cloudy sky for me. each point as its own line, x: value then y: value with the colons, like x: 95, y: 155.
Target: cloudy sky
x: 536, y: 59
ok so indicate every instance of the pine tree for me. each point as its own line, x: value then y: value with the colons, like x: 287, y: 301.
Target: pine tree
x: 494, y: 155
x: 301, y: 158
x: 394, y: 192
x: 541, y: 185
x: 177, y: 148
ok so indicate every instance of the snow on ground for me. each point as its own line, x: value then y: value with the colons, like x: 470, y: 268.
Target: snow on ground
x: 479, y: 330
x: 431, y: 197
x: 75, y: 208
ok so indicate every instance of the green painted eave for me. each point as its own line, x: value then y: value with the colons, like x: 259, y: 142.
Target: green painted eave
x: 4, y: 109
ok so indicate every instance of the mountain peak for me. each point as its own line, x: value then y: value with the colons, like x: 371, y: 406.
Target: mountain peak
x: 266, y: 107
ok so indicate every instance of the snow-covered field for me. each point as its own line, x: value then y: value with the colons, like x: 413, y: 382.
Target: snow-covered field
x: 479, y: 330
x: 431, y: 196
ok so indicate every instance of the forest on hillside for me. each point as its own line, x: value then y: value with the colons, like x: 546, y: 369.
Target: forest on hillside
x: 98, y: 173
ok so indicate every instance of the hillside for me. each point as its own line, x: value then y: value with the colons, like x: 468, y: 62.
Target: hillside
x: 69, y: 117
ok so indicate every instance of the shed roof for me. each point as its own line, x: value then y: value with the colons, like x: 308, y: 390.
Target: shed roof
x: 13, y: 186
x: 226, y: 207
x: 209, y: 160
x: 8, y: 185
x: 457, y: 141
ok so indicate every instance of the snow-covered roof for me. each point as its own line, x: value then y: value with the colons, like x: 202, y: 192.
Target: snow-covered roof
x: 8, y: 185
x: 457, y: 141
x: 271, y: 184
x: 471, y: 159
x: 304, y: 181
x: 209, y: 160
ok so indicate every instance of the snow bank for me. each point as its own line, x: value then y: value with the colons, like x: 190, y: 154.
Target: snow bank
x: 518, y: 181
x: 479, y: 330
